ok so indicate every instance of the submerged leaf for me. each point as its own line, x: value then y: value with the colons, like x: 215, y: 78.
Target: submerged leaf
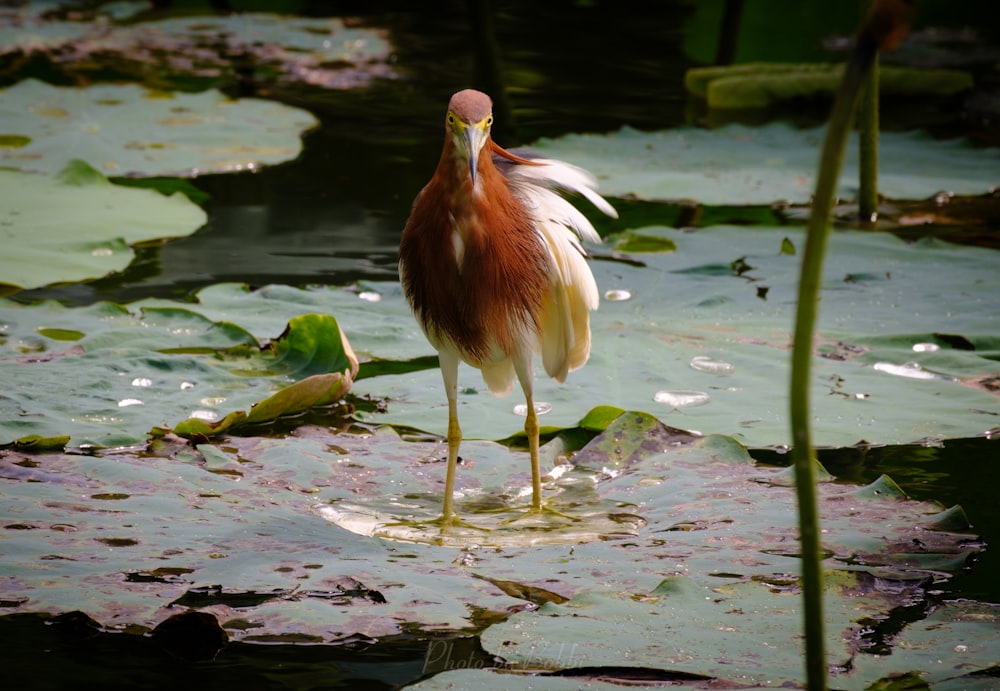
x: 634, y: 242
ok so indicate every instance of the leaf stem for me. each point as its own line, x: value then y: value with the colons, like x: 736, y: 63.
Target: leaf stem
x: 868, y: 149
x: 831, y: 161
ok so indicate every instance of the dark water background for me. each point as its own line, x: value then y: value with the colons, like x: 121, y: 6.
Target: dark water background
x: 334, y: 216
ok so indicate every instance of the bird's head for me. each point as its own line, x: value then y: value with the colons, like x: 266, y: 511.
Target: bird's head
x: 470, y: 116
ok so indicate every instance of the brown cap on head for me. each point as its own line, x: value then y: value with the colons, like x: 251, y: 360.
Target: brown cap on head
x: 470, y: 105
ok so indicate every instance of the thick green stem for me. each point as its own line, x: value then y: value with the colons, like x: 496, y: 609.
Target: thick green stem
x: 841, y: 121
x: 868, y: 149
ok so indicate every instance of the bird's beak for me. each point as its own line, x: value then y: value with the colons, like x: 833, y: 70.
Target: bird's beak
x: 475, y: 138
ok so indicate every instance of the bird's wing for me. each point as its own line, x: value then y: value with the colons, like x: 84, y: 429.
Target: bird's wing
x: 564, y: 340
x: 550, y: 174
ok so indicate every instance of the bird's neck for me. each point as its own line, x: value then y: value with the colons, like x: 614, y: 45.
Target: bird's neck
x: 453, y: 169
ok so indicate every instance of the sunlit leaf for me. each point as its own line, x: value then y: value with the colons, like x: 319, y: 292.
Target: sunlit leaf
x: 306, y: 347
x: 736, y: 164
x: 696, y: 345
x: 33, y: 442
x: 132, y: 370
x: 744, y: 633
x: 78, y: 226
x: 125, y: 129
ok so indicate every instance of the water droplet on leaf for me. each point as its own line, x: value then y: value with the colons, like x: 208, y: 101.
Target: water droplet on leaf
x: 681, y: 399
x: 540, y: 408
x: 617, y: 295
x: 703, y: 363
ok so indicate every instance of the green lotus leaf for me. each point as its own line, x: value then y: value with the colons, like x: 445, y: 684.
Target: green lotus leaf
x: 77, y: 226
x: 316, y: 390
x: 719, y: 632
x: 135, y: 370
x: 33, y: 442
x: 692, y: 340
x: 198, y: 427
x: 306, y: 347
x: 736, y: 164
x: 688, y: 338
x: 125, y: 129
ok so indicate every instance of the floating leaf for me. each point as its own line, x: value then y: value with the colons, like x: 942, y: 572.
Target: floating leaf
x: 306, y: 347
x: 128, y: 130
x: 747, y: 633
x: 315, y: 50
x: 633, y: 242
x: 77, y: 226
x: 135, y: 370
x: 736, y: 164
x: 689, y: 305
x: 763, y: 84
x: 706, y: 511
x: 691, y: 332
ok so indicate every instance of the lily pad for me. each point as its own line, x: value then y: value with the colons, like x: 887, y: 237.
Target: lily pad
x: 24, y: 31
x: 127, y: 130
x: 736, y: 164
x: 131, y: 371
x: 700, y: 336
x: 239, y: 525
x: 698, y: 341
x: 77, y: 226
x: 322, y: 51
x: 741, y: 633
x: 761, y: 85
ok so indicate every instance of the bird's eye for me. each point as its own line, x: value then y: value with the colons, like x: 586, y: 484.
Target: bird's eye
x: 451, y: 118
x: 489, y: 121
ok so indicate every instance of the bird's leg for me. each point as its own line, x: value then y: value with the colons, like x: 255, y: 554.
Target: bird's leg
x: 449, y: 372
x: 531, y: 429
x: 522, y: 365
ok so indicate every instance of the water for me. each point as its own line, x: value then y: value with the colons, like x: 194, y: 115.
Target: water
x: 334, y: 216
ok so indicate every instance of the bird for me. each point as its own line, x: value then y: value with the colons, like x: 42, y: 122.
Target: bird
x: 492, y: 265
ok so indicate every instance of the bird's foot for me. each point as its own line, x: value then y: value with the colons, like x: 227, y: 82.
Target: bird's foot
x: 542, y: 516
x: 453, y: 523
